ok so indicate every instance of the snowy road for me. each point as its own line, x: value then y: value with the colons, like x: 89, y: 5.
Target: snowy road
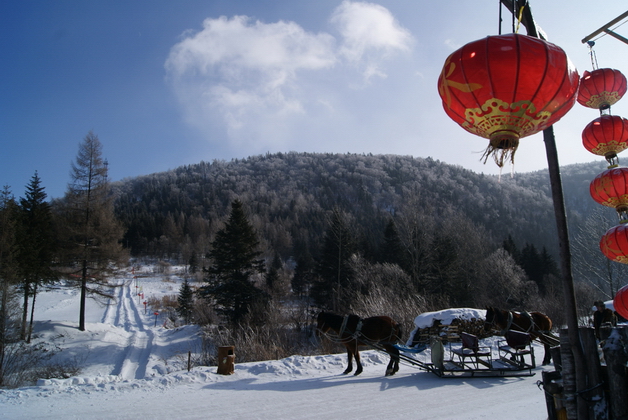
x: 123, y: 312
x: 134, y: 369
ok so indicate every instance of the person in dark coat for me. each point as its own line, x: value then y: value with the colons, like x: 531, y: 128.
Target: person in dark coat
x: 602, y: 315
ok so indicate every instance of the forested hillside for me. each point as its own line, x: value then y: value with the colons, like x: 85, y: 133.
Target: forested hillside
x: 290, y: 195
x: 443, y: 225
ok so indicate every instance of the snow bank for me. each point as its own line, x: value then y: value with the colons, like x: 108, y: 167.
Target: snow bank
x: 444, y: 317
x: 135, y: 368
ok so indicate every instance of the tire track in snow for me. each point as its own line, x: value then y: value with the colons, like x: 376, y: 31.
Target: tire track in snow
x: 133, y: 362
x: 112, y: 306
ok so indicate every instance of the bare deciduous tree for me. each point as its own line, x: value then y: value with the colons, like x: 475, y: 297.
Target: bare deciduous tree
x: 92, y: 233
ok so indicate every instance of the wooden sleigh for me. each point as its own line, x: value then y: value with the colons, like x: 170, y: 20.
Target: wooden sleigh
x: 515, y: 357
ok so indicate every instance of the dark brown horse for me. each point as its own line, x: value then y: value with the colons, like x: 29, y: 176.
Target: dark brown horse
x: 353, y: 331
x: 536, y: 324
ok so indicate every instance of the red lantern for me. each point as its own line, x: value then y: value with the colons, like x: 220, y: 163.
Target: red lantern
x: 507, y: 87
x: 610, y: 188
x: 614, y: 244
x: 606, y: 136
x: 601, y: 88
x: 620, y: 303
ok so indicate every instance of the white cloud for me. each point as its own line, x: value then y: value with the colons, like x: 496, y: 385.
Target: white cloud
x: 239, y: 63
x: 369, y: 29
x: 452, y: 45
x: 256, y: 79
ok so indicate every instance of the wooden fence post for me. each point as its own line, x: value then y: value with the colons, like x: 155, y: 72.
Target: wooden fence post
x: 598, y: 408
x: 616, y: 358
x: 569, y: 374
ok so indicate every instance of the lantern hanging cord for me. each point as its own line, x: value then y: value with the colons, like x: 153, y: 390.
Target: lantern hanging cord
x: 519, y: 17
x: 592, y: 54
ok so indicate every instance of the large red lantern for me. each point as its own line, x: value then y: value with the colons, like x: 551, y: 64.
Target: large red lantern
x: 601, y: 88
x: 620, y: 303
x: 507, y: 87
x: 614, y: 244
x: 610, y: 188
x: 606, y: 136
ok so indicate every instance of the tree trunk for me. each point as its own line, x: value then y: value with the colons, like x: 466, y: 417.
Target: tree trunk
x: 3, y: 325
x: 83, y: 297
x: 24, y: 312
x: 30, y: 326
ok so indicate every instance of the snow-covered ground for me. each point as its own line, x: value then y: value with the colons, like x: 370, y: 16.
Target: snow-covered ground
x: 134, y: 367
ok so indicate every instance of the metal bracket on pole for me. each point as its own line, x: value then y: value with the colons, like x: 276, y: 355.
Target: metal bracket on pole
x: 605, y: 28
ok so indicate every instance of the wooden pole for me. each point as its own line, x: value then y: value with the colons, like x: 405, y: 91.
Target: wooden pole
x: 568, y: 373
x: 615, y: 355
x: 599, y: 404
x: 569, y: 297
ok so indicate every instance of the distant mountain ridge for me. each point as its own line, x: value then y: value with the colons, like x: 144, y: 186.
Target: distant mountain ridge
x: 289, y: 196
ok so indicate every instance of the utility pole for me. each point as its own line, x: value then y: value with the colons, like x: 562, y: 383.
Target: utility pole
x: 522, y: 9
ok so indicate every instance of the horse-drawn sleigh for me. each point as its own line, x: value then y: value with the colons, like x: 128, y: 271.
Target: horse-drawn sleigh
x: 512, y: 355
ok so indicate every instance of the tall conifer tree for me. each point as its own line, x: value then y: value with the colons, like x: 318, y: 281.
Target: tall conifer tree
x: 91, y: 232
x: 185, y: 301
x: 333, y: 267
x: 36, y: 246
x: 234, y: 257
x: 8, y: 270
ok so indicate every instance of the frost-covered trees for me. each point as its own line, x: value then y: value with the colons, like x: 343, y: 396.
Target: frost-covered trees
x: 604, y: 275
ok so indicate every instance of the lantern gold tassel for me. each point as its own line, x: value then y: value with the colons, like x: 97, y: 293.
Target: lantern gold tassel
x: 501, y: 148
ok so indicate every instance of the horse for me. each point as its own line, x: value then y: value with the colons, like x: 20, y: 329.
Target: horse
x: 353, y: 331
x: 536, y: 324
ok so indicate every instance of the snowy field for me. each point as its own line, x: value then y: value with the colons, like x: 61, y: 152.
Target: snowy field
x: 134, y: 368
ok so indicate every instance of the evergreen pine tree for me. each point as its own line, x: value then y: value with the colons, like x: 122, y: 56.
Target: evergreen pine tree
x: 186, y: 302
x: 8, y: 272
x: 234, y: 263
x: 272, y: 275
x: 392, y: 249
x: 303, y: 275
x: 193, y: 263
x: 510, y: 247
x: 333, y: 267
x: 531, y: 263
x: 36, y: 246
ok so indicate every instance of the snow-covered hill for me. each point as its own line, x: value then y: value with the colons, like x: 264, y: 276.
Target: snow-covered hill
x: 134, y: 367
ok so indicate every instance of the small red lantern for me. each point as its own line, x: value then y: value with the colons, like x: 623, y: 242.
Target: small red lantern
x: 507, y: 87
x: 620, y: 303
x: 610, y: 188
x: 606, y: 136
x: 614, y: 244
x: 601, y: 88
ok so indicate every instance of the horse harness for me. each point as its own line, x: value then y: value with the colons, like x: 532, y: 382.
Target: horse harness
x: 358, y: 328
x: 510, y: 322
x: 338, y: 337
x: 356, y: 335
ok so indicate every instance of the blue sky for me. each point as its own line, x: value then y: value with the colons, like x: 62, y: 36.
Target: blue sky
x: 170, y: 83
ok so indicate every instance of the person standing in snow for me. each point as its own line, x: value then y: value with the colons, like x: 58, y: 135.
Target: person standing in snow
x: 602, y: 315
